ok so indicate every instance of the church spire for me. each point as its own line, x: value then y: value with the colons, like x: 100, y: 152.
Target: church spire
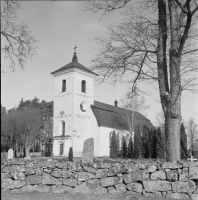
x: 75, y: 59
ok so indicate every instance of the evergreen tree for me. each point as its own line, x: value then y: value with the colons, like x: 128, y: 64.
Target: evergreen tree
x: 130, y: 148
x: 183, y: 142
x: 145, y: 142
x: 122, y: 144
x: 113, y: 149
x: 152, y: 143
x: 160, y: 144
x: 137, y: 143
x: 118, y: 144
x: 124, y: 147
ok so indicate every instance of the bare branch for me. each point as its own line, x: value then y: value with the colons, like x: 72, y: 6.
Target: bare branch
x: 20, y: 44
x: 190, y: 51
x: 138, y: 74
x: 106, y: 6
x: 182, y: 7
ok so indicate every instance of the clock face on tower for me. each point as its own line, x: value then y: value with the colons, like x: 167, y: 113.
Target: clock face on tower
x: 83, y: 106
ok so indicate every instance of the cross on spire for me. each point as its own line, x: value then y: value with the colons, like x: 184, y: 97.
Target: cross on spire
x: 75, y: 59
x: 75, y: 49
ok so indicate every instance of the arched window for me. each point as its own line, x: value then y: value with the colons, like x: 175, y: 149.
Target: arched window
x: 63, y: 128
x: 63, y: 85
x: 83, y: 86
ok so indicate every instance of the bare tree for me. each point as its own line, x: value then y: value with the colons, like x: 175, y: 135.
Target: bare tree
x: 153, y: 43
x: 12, y: 126
x: 192, y: 134
x: 133, y: 103
x: 160, y: 121
x: 20, y: 45
x: 33, y: 123
x: 47, y: 133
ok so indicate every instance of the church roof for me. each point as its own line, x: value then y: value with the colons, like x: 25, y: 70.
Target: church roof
x: 74, y: 64
x: 118, y: 118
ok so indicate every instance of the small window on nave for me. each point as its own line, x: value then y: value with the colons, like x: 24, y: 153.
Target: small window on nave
x: 83, y: 86
x: 63, y: 85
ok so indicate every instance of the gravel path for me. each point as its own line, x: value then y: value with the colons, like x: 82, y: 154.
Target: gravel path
x: 71, y: 196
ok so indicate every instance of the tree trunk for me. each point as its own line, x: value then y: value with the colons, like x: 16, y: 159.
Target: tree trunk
x: 14, y: 150
x: 170, y: 98
x: 27, y: 145
x: 27, y: 150
x: 21, y: 150
x: 173, y: 110
x: 172, y: 130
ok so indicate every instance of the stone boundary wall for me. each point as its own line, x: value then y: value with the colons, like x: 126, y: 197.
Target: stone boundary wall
x: 178, y: 180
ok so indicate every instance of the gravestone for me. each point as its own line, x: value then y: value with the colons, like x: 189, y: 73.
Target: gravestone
x: 10, y: 154
x: 88, y: 150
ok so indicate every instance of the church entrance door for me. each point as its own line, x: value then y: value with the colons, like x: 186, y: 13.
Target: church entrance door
x: 61, y: 149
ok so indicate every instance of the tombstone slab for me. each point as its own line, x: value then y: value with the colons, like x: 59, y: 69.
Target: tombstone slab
x: 88, y: 150
x: 10, y: 154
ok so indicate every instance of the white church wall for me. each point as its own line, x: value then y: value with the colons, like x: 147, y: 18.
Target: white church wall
x: 96, y: 135
x: 56, y: 148
x: 68, y: 143
x: 82, y: 122
x: 67, y: 108
x: 104, y: 141
x: 63, y: 104
x: 78, y: 77
x: 58, y: 83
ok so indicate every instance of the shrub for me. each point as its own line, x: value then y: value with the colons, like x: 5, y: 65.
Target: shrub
x: 183, y: 142
x: 145, y: 142
x: 71, y: 154
x: 113, y: 149
x: 47, y: 154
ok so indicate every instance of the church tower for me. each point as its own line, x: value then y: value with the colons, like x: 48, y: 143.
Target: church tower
x: 73, y: 97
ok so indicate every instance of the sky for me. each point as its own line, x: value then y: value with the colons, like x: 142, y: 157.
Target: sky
x: 59, y: 26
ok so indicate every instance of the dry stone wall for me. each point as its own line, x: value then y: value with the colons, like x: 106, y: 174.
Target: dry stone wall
x: 177, y: 180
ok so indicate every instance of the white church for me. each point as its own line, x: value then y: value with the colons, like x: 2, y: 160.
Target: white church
x: 78, y: 117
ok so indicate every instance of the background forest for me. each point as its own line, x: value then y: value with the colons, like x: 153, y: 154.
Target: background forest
x: 27, y: 127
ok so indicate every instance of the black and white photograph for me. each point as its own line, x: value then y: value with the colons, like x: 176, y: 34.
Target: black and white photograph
x: 99, y: 99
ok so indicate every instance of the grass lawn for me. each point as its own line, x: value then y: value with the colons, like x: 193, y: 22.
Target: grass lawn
x: 76, y: 196
x: 97, y: 159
